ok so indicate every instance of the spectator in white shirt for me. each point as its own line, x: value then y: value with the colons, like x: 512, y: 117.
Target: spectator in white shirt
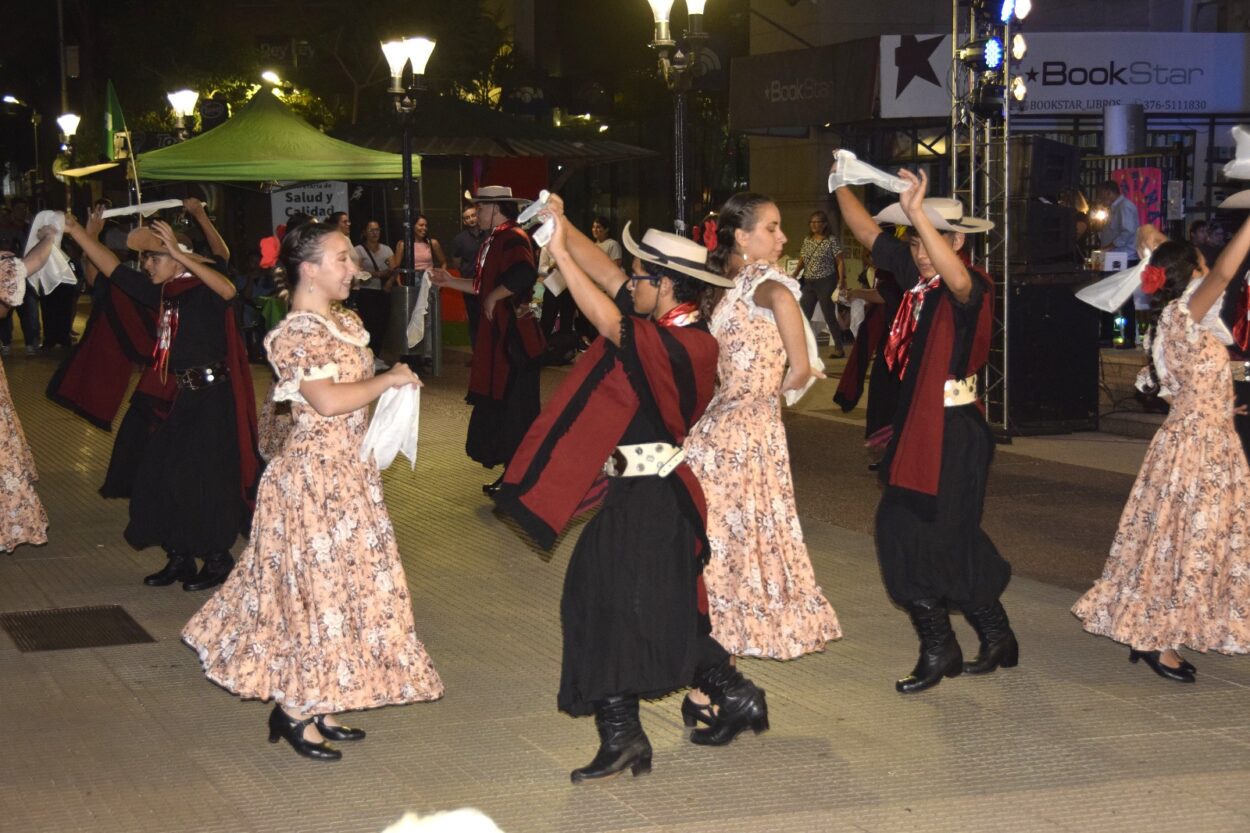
x: 1120, y: 230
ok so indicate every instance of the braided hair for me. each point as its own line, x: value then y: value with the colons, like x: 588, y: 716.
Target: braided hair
x: 303, y: 244
x: 1178, y: 261
x: 741, y: 211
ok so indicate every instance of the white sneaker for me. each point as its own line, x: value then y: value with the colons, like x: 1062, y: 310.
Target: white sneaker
x: 30, y: 349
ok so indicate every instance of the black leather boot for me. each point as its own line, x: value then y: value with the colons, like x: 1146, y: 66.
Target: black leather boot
x: 939, y: 651
x: 739, y: 705
x: 178, y: 568
x: 999, y: 648
x: 622, y: 743
x: 216, y: 568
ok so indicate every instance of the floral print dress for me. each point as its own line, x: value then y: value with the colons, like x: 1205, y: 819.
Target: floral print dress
x: 1179, y: 570
x: 763, y: 597
x: 317, y: 615
x: 22, y: 517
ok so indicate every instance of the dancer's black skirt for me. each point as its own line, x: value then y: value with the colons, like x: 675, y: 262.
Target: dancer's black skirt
x: 630, y: 614
x: 946, y: 556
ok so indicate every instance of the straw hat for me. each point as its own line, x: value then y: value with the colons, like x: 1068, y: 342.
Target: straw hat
x: 143, y: 239
x: 946, y: 215
x: 673, y: 252
x: 498, y: 193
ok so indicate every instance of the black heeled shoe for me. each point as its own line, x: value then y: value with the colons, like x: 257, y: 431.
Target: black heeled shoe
x: 216, y: 570
x: 491, y: 489
x: 940, y: 655
x: 693, y: 713
x: 622, y: 742
x: 281, y: 725
x: 999, y: 648
x: 339, y: 732
x: 1180, y: 674
x: 178, y: 568
x: 740, y: 705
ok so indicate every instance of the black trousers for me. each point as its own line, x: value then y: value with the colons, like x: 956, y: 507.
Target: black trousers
x: 939, y: 551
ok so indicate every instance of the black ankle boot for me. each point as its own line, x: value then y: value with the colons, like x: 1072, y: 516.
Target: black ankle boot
x: 281, y: 725
x: 939, y: 651
x: 216, y: 568
x: 999, y: 648
x: 739, y: 705
x: 178, y: 568
x: 622, y: 743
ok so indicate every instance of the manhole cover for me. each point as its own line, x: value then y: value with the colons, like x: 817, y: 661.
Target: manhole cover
x: 72, y: 627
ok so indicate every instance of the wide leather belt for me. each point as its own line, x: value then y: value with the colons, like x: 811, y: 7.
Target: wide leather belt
x: 958, y: 392
x: 644, y: 460
x: 195, y: 378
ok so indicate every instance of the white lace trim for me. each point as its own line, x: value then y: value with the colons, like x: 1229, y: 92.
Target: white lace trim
x: 746, y: 282
x: 12, y: 268
x: 332, y: 325
x: 288, y: 390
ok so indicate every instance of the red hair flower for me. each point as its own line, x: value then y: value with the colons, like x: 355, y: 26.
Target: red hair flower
x: 1152, y: 279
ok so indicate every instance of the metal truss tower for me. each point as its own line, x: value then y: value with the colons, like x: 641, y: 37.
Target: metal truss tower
x: 980, y: 162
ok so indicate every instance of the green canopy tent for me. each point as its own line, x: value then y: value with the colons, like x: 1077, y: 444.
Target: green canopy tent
x: 263, y: 142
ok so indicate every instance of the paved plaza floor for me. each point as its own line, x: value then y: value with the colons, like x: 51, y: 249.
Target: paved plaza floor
x: 134, y: 738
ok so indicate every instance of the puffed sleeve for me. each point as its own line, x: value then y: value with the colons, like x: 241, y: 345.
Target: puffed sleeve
x: 12, y: 280
x: 301, y: 348
x: 752, y: 276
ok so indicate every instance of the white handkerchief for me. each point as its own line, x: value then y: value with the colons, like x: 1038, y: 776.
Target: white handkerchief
x: 542, y: 234
x: 394, y: 427
x: 143, y: 208
x: 1239, y: 166
x: 555, y: 282
x: 1111, y: 293
x: 851, y: 171
x: 859, y: 310
x: 56, y: 270
x: 813, y: 356
x: 416, y: 321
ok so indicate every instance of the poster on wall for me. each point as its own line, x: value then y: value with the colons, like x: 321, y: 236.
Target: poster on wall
x: 316, y: 199
x: 1144, y: 188
x: 1080, y: 73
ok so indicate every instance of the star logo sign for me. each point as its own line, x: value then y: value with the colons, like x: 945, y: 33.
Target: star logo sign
x: 1031, y: 75
x: 911, y: 58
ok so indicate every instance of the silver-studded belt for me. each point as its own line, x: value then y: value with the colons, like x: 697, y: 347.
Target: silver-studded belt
x: 195, y: 378
x: 644, y: 459
x: 1241, y: 371
x: 959, y: 392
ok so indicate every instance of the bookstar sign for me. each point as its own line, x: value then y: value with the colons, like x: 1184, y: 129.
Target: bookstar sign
x: 1081, y: 73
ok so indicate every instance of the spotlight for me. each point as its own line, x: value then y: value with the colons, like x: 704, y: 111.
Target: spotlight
x: 1018, y: 47
x: 1018, y: 88
x: 986, y: 55
x: 1023, y: 7
x: 989, y: 101
x: 1007, y: 10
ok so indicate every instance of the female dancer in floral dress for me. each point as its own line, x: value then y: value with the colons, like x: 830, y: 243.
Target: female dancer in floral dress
x: 22, y: 518
x: 762, y: 593
x: 317, y: 615
x: 1179, y: 569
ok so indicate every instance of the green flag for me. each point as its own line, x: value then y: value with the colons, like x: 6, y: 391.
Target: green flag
x: 114, y: 122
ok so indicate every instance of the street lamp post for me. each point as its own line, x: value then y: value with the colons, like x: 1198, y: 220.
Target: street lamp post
x: 183, y: 104
x: 678, y: 69
x: 68, y: 123
x: 399, y: 54
x: 36, y: 189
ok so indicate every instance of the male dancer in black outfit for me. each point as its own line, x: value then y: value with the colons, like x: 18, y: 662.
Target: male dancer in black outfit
x: 634, y: 609
x: 930, y: 545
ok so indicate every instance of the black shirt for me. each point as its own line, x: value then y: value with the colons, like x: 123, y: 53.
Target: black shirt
x: 201, y: 335
x: 464, y: 246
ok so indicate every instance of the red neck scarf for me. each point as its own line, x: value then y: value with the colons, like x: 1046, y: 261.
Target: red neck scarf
x: 681, y: 315
x: 484, y: 250
x: 903, y: 328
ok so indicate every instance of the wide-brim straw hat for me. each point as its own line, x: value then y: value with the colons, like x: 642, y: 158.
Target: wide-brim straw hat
x: 945, y: 213
x: 673, y: 252
x: 498, y: 193
x: 143, y: 239
x: 1239, y: 200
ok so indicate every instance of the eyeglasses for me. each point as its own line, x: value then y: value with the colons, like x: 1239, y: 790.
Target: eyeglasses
x: 651, y: 279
